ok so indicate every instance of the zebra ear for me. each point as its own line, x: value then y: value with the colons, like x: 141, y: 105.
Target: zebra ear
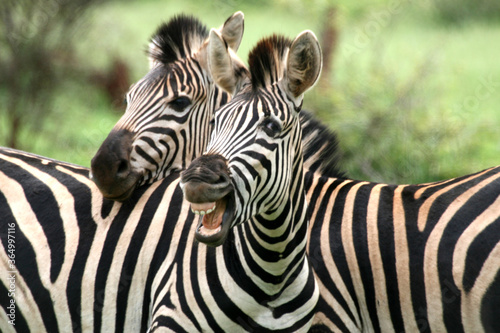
x: 303, y: 64
x: 232, y: 30
x: 226, y: 68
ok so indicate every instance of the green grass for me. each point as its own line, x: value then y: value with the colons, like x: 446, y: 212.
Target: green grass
x: 407, y: 97
x: 432, y: 91
x: 79, y: 122
x: 76, y: 130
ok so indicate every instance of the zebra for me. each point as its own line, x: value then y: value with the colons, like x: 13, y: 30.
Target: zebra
x: 248, y: 190
x: 436, y: 241
x: 68, y: 274
x: 171, y: 104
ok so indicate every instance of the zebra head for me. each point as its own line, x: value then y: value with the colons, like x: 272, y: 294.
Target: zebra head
x: 167, y: 120
x: 253, y: 164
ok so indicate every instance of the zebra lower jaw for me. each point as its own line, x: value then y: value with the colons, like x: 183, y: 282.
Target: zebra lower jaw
x: 207, y: 232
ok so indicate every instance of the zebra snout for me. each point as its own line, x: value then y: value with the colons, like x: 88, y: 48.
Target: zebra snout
x: 111, y: 169
x: 206, y: 179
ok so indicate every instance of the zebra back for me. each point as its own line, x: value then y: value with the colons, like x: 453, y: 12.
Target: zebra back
x: 75, y: 261
x: 406, y: 258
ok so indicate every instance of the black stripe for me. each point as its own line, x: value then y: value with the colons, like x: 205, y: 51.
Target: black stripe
x: 315, y: 255
x: 46, y: 210
x: 385, y: 221
x: 26, y: 265
x: 133, y: 251
x: 360, y: 242
x: 18, y: 317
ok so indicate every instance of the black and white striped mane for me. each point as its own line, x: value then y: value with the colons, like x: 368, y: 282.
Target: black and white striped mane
x: 320, y: 145
x: 267, y: 60
x: 177, y: 39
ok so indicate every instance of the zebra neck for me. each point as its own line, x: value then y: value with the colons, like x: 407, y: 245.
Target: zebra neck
x: 275, y: 248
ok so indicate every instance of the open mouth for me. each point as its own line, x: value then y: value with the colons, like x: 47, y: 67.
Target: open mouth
x: 215, y: 220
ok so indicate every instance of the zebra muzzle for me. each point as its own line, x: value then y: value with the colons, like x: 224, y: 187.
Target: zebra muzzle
x: 208, y: 187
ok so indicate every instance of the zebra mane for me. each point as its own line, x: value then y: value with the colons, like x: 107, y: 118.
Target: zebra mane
x: 320, y: 147
x: 266, y: 60
x: 179, y: 38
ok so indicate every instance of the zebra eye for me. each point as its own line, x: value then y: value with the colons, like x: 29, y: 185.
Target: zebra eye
x: 271, y: 127
x: 180, y: 103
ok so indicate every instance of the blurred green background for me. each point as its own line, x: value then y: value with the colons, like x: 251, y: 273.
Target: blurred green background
x: 412, y: 88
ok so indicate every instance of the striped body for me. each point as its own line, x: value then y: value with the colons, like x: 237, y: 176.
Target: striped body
x: 119, y: 259
x: 407, y: 258
x: 348, y: 287
x: 125, y: 266
x: 82, y: 262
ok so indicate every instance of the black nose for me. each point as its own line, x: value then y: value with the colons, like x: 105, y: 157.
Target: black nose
x: 111, y: 170
x: 206, y: 179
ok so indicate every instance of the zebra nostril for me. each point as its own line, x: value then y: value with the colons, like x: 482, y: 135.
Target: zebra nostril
x: 223, y: 179
x: 123, y: 169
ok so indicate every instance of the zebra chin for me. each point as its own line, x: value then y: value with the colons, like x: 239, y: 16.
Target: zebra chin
x: 119, y: 190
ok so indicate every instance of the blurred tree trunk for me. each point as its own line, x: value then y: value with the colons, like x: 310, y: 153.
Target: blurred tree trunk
x: 329, y: 41
x: 33, y: 36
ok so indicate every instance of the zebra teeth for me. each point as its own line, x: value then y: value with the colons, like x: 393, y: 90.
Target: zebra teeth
x: 204, y: 208
x: 209, y: 232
